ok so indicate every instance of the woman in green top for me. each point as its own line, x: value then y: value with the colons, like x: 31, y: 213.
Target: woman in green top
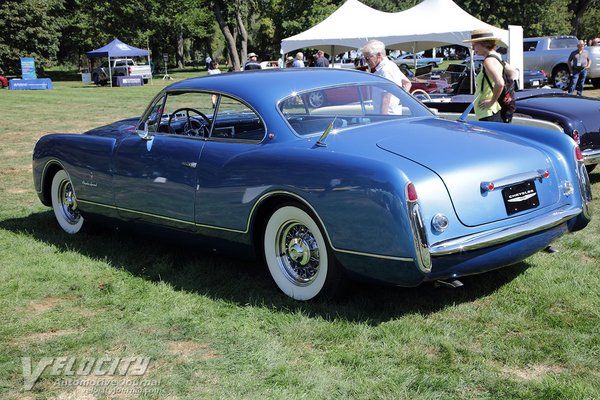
x: 486, y: 104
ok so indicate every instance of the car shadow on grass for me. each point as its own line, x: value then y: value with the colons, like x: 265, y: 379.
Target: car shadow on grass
x: 247, y: 282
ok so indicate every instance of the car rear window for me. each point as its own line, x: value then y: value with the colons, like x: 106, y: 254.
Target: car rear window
x: 563, y: 43
x: 312, y: 112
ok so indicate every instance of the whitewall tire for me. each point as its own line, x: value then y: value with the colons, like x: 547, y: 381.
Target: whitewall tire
x: 64, y: 203
x: 298, y: 255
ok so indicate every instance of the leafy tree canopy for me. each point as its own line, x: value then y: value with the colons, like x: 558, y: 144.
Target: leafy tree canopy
x: 29, y: 28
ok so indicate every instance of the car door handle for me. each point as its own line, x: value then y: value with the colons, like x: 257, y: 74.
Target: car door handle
x: 189, y: 164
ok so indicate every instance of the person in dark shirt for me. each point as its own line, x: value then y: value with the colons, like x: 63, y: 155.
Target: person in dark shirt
x: 579, y: 63
x: 322, y: 61
x: 252, y: 62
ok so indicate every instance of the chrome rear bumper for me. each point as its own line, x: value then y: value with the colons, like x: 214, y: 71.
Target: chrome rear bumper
x: 505, y: 234
x: 591, y: 156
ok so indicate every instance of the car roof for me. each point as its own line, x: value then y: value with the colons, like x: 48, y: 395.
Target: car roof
x: 274, y: 84
x: 551, y: 37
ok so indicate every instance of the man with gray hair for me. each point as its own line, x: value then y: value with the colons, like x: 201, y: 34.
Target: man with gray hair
x: 579, y: 63
x: 374, y: 54
x: 299, y: 60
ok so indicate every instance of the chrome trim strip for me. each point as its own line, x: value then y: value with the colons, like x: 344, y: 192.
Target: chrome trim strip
x: 266, y: 195
x: 380, y: 256
x: 505, y: 234
x: 512, y: 179
x: 591, y: 157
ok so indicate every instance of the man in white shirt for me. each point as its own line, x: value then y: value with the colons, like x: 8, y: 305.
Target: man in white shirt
x: 299, y: 60
x: 374, y: 54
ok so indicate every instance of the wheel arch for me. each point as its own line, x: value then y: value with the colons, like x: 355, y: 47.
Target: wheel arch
x: 558, y: 67
x: 267, y: 206
x: 50, y: 169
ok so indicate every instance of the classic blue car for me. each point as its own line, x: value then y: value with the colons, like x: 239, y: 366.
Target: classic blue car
x: 377, y: 187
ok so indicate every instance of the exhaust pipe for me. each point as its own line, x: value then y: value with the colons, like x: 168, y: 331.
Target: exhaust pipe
x: 454, y: 283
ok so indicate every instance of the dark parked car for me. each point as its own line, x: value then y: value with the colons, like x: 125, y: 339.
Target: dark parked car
x: 534, y: 79
x: 376, y: 186
x: 531, y: 78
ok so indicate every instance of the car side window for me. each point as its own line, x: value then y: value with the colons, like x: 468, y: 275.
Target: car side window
x: 236, y: 121
x: 563, y: 43
x: 187, y: 113
x: 529, y: 46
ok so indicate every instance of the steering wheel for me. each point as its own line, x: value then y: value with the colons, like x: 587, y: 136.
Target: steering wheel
x: 191, y: 126
x: 420, y: 94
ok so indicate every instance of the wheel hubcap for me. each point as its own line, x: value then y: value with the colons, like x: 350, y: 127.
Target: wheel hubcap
x: 299, y: 253
x: 68, y: 203
x: 561, y: 81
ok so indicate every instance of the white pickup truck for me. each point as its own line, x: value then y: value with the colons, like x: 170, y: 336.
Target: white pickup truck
x: 121, y: 67
x: 551, y: 53
x: 594, y: 72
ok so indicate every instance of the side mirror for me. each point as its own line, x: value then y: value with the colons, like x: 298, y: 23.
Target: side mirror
x: 144, y: 135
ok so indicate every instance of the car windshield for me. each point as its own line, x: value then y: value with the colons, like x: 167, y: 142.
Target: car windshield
x: 311, y: 112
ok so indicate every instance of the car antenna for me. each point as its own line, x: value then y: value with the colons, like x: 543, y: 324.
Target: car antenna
x: 326, y: 132
x: 465, y: 114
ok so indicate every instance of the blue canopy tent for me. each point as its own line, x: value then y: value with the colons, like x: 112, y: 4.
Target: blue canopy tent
x: 117, y: 49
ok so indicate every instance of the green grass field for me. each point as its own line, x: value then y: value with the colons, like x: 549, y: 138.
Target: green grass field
x: 216, y: 327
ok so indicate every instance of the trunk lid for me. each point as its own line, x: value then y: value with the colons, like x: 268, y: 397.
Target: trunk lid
x: 465, y: 157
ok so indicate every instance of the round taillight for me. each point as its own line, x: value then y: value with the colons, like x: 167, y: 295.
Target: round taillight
x: 576, y: 136
x: 490, y: 186
x: 578, y: 155
x: 546, y: 174
x: 411, y: 192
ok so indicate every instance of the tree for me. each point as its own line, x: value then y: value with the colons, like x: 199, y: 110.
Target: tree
x: 590, y: 22
x: 577, y: 7
x: 30, y: 28
x: 231, y: 22
x: 539, y: 18
x: 187, y: 22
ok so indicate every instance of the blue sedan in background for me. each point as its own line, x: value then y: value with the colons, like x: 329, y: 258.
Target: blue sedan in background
x: 372, y: 185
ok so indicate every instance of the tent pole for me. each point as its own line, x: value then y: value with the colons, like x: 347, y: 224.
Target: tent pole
x: 414, y: 57
x: 332, y: 55
x: 109, y: 71
x: 472, y: 77
x: 149, y: 59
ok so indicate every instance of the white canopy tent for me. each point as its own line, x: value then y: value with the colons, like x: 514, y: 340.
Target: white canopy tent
x: 348, y: 28
x: 429, y: 24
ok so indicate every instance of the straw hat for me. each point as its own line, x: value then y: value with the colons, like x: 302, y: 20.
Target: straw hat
x: 482, y: 34
x: 252, y: 55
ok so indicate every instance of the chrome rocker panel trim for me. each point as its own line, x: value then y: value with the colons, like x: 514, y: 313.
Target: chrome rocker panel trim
x: 502, y: 235
x: 247, y: 230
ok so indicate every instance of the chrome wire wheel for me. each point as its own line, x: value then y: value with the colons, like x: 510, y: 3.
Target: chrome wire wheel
x: 298, y: 253
x: 298, y: 256
x: 64, y: 203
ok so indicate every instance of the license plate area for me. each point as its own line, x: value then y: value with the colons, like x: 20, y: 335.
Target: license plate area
x: 520, y: 197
